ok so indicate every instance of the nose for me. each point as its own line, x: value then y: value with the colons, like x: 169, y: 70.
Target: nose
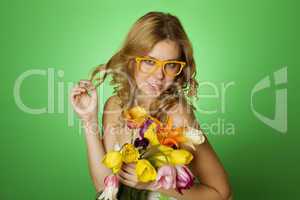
x: 159, y: 74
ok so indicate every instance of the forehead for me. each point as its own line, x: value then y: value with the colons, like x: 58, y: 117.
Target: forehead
x: 165, y: 50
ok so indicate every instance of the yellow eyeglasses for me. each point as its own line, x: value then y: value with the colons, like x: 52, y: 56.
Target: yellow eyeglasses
x: 149, y: 65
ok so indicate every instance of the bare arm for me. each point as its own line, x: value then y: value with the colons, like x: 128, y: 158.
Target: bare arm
x: 97, y: 147
x: 86, y: 107
x: 213, y: 179
x: 214, y: 183
x: 95, y: 153
x: 111, y: 123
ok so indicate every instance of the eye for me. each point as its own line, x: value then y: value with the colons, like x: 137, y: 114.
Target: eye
x: 171, y: 65
x: 172, y: 68
x: 149, y: 62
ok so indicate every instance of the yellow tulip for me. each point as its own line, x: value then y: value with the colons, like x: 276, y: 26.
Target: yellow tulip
x: 163, y: 157
x: 145, y: 171
x: 181, y: 157
x: 165, y: 149
x: 129, y: 153
x: 113, y: 160
x: 135, y: 116
x: 159, y: 159
x: 150, y: 134
x: 138, y: 112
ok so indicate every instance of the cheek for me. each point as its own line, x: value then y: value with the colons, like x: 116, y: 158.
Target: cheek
x: 168, y: 82
x: 140, y: 79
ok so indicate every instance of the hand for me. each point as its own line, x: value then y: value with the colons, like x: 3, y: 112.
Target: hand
x: 128, y: 177
x: 85, y: 105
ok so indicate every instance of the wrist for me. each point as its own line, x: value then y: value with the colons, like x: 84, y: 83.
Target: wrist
x: 89, y: 120
x: 152, y: 186
x: 91, y: 127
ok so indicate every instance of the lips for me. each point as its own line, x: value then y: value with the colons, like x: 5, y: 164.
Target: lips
x: 155, y: 85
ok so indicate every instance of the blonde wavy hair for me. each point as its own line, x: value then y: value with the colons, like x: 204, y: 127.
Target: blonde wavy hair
x: 143, y: 35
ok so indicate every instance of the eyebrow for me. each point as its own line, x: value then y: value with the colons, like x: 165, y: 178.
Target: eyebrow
x: 164, y: 60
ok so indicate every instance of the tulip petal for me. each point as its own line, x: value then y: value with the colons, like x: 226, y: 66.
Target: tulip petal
x: 150, y: 134
x: 111, y: 187
x: 194, y: 135
x: 129, y: 153
x: 144, y: 127
x: 181, y: 157
x: 113, y: 160
x: 184, y: 179
x: 166, y: 177
x: 145, y: 171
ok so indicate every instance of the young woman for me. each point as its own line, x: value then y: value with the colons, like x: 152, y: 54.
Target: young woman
x: 154, y: 69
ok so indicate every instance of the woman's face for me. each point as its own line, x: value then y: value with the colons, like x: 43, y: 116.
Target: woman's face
x: 157, y: 82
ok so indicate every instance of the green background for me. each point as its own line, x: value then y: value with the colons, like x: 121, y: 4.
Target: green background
x: 44, y: 157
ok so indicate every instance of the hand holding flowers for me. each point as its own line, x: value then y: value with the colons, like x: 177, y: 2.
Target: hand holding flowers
x: 129, y: 177
x: 156, y: 158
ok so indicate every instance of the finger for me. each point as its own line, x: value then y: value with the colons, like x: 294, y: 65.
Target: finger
x: 75, y: 94
x: 93, y: 93
x: 127, y: 176
x: 77, y: 89
x: 131, y: 165
x: 73, y: 100
x: 126, y: 182
x: 81, y: 89
x: 85, y: 84
x: 74, y: 97
x: 124, y: 175
x: 128, y: 168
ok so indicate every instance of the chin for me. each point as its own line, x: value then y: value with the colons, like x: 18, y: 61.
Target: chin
x: 152, y: 93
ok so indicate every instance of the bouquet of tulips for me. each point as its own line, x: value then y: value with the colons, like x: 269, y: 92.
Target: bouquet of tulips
x: 157, y: 153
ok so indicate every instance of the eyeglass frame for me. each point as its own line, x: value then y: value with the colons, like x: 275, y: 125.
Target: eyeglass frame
x: 160, y: 63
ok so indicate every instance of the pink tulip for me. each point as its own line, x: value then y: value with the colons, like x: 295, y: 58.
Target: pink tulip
x: 111, y: 181
x: 111, y: 187
x: 166, y: 177
x: 184, y: 178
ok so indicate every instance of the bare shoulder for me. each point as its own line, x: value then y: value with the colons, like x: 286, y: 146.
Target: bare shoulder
x: 113, y: 103
x: 112, y: 110
x: 111, y: 121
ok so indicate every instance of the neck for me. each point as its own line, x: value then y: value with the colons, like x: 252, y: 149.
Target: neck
x: 144, y: 101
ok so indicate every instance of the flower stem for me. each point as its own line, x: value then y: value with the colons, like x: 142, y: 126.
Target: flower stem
x: 131, y: 136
